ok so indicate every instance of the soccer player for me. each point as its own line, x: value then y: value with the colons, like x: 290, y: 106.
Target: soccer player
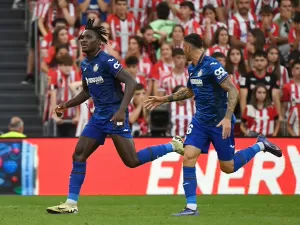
x: 101, y: 79
x: 213, y: 122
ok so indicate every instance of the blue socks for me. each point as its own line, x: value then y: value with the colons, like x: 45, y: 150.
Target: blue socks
x: 76, y: 179
x: 190, y: 186
x: 244, y: 156
x: 151, y: 153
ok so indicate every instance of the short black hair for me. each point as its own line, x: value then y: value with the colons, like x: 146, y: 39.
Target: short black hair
x: 99, y: 30
x: 194, y: 39
x: 145, y: 28
x: 162, y: 11
x: 116, y: 1
x: 66, y: 60
x: 296, y: 18
x: 266, y: 10
x: 296, y: 62
x: 260, y: 53
x: 59, y: 20
x: 131, y: 61
x: 177, y: 88
x: 188, y: 4
x: 139, y: 87
x: 211, y: 7
x: 177, y: 51
x: 218, y: 55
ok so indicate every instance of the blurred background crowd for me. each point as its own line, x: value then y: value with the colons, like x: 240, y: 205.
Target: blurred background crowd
x: 257, y: 41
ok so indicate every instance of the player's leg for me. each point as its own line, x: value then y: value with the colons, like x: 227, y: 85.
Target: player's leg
x: 127, y: 152
x: 88, y: 142
x: 196, y: 142
x: 230, y: 161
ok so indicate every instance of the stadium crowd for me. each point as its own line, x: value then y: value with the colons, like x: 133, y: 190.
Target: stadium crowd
x: 257, y: 41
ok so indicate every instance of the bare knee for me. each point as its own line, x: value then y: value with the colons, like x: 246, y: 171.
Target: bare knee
x: 78, y: 155
x: 227, y: 167
x: 132, y: 162
x: 189, y: 159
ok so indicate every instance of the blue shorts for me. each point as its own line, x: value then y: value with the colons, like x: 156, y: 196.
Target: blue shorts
x: 201, y: 136
x: 98, y: 129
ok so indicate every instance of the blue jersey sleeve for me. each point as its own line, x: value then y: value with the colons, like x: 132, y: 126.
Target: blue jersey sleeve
x: 112, y: 66
x: 218, y: 72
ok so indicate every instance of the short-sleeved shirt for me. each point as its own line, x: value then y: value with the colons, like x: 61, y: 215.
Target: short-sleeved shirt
x: 251, y: 80
x: 93, y: 6
x: 210, y: 98
x: 100, y: 75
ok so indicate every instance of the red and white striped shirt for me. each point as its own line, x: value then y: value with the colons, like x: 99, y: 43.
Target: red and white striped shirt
x: 46, y: 43
x: 291, y: 93
x: 86, y: 111
x: 236, y: 78
x: 141, y: 80
x: 238, y: 26
x: 274, y: 31
x: 140, y: 125
x: 294, y: 119
x: 213, y: 29
x: 260, y: 121
x: 218, y: 48
x: 181, y: 116
x: 144, y: 66
x: 40, y: 9
x: 256, y: 5
x: 139, y: 9
x: 199, y: 5
x: 160, y: 70
x: 284, y: 74
x: 192, y: 26
x: 168, y: 83
x: 122, y: 30
x: 61, y: 82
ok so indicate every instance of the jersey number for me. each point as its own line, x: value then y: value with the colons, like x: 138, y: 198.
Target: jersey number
x: 190, y: 128
x: 220, y: 72
x: 116, y: 64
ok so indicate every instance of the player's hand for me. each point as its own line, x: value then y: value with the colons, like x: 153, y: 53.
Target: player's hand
x: 153, y: 101
x: 226, y: 125
x: 119, y: 118
x: 60, y: 109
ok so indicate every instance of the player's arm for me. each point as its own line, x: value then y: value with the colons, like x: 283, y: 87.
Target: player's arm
x: 233, y: 96
x: 80, y: 98
x: 130, y: 84
x: 183, y: 94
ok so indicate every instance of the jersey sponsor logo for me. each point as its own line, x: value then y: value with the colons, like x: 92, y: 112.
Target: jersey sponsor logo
x: 197, y: 82
x: 94, y: 80
x: 220, y: 72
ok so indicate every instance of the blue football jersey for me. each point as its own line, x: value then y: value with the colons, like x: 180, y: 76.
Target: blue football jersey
x: 106, y: 91
x: 210, y: 98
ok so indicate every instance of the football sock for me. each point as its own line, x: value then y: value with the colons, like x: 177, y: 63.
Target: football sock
x: 76, y: 180
x: 189, y: 186
x: 244, y: 156
x: 151, y: 153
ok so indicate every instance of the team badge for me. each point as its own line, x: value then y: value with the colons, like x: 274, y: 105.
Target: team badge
x: 268, y: 79
x: 96, y: 68
x: 200, y: 73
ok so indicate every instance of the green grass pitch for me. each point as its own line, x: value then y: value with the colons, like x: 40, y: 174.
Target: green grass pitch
x: 153, y: 210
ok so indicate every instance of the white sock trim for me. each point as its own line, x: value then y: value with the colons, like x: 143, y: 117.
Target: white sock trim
x: 192, y: 206
x: 261, y: 146
x: 71, y: 202
x: 173, y: 147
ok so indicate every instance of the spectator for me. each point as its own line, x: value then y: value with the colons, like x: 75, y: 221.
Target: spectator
x: 241, y: 23
x: 186, y: 13
x: 291, y: 90
x: 235, y: 65
x: 15, y: 128
x: 260, y: 116
x: 177, y: 36
x: 210, y: 24
x: 174, y: 6
x: 270, y: 29
x: 181, y: 114
x: 161, y: 69
x: 138, y: 114
x: 132, y: 66
x: 162, y: 24
x: 101, y: 6
x: 284, y: 20
x: 91, y: 15
x: 257, y: 5
x: 220, y: 57
x: 275, y: 67
x: 220, y: 42
x: 135, y: 48
x: 256, y: 42
x: 259, y: 75
x: 123, y: 25
x: 141, y: 10
x: 228, y: 8
x: 151, y: 44
x: 61, y: 78
x: 112, y: 47
x: 179, y: 75
x: 293, y: 126
x: 294, y: 34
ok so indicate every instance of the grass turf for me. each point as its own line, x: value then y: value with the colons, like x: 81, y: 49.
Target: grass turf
x: 153, y: 210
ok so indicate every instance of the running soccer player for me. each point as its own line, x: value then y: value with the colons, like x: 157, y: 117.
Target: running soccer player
x: 102, y: 75
x: 216, y: 97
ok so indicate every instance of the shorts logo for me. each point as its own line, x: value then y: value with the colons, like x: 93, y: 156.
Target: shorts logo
x: 94, y: 80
